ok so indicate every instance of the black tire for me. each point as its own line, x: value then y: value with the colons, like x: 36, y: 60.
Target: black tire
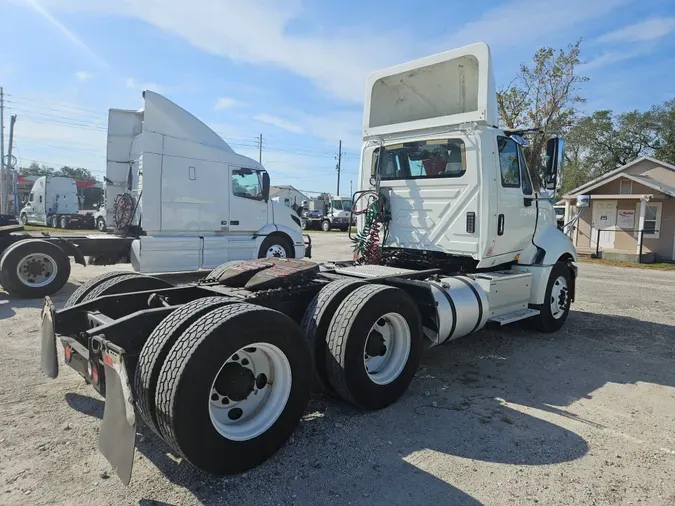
x: 316, y: 321
x: 325, y: 226
x: 346, y: 342
x: 545, y: 321
x: 157, y: 347
x: 20, y: 250
x: 100, y: 225
x: 124, y: 284
x: 276, y: 240
x: 190, y: 369
x: 218, y: 271
x: 63, y: 222
x: 23, y: 219
x: 344, y: 229
x: 78, y: 295
x: 55, y: 221
x: 304, y: 225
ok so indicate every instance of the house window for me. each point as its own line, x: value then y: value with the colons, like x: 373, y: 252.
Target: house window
x: 626, y: 187
x: 652, y: 226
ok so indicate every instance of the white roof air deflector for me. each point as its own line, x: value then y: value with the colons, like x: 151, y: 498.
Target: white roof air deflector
x: 448, y: 88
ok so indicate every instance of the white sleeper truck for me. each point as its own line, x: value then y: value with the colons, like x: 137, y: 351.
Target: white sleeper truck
x: 178, y: 197
x: 53, y: 202
x: 452, y: 237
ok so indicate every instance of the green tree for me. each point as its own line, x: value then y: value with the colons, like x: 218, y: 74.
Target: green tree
x: 664, y: 118
x: 79, y: 174
x: 543, y: 95
x: 35, y: 169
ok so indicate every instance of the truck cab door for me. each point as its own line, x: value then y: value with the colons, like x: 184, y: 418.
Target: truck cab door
x: 248, y: 209
x: 516, y: 207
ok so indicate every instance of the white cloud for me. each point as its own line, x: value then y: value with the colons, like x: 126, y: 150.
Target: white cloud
x: 227, y: 103
x: 44, y: 13
x: 142, y: 86
x: 610, y: 58
x: 647, y: 30
x: 280, y: 123
x: 83, y: 75
x: 337, y: 62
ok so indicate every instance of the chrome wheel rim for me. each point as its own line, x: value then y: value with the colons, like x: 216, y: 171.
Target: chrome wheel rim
x: 36, y: 270
x: 387, y: 348
x: 101, y: 225
x: 276, y: 251
x: 559, y: 297
x: 250, y: 391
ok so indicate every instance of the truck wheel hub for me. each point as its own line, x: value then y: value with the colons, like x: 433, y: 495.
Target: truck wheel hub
x: 36, y: 270
x: 387, y: 348
x: 559, y: 297
x: 250, y: 391
x: 235, y: 381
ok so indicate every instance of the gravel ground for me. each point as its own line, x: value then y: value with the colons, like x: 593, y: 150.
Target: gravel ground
x: 584, y: 416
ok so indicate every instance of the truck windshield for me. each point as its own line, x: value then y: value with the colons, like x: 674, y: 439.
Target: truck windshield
x: 347, y: 205
x: 422, y: 159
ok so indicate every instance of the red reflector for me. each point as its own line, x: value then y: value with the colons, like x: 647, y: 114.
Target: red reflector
x: 94, y: 375
x: 108, y: 361
x: 68, y: 353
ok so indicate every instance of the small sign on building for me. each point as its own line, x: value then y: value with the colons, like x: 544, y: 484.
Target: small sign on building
x: 626, y: 219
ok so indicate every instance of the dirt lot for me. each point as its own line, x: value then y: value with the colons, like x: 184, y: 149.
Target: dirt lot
x: 585, y: 416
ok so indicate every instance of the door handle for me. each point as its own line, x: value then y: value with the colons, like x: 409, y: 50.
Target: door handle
x: 500, y: 225
x: 234, y: 222
x: 527, y: 201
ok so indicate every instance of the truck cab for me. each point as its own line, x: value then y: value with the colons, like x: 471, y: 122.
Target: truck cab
x: 193, y: 200
x: 456, y: 184
x: 51, y: 199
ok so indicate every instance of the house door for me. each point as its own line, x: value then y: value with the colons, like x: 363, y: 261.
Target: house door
x: 604, y: 222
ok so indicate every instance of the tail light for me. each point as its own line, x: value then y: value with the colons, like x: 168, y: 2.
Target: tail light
x: 68, y: 352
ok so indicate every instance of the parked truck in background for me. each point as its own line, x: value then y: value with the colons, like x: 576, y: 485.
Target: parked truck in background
x: 53, y: 202
x: 326, y: 214
x: 452, y: 237
x: 178, y: 196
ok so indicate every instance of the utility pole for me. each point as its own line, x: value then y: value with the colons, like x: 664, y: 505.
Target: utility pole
x: 260, y: 150
x: 8, y: 167
x: 339, y: 166
x: 2, y: 149
x: 350, y: 187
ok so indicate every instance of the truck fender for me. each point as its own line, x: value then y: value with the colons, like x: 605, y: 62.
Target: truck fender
x: 294, y: 237
x: 550, y: 245
x: 71, y: 250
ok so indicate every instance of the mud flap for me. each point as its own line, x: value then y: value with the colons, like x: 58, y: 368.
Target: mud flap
x: 117, y: 438
x: 48, y: 359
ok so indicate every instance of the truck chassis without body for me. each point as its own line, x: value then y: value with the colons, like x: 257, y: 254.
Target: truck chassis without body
x: 228, y: 362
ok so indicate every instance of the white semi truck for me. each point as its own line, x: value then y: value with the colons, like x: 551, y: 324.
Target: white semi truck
x: 453, y: 237
x: 178, y: 196
x: 327, y: 214
x: 53, y: 202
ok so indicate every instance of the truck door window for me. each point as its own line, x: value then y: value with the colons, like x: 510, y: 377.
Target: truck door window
x: 246, y: 184
x: 337, y: 205
x: 31, y: 197
x: 508, y: 162
x: 422, y: 159
x: 525, y: 173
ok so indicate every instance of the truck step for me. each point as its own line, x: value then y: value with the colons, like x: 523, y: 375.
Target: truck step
x: 514, y: 317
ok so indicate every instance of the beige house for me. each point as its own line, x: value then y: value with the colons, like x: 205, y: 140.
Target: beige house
x: 640, y: 196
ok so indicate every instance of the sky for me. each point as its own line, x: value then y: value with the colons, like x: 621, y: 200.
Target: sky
x: 292, y: 70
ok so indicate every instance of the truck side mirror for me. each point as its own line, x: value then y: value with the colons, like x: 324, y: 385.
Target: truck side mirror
x: 266, y: 186
x: 555, y: 158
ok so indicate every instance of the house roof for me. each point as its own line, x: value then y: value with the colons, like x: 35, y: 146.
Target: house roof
x: 276, y: 189
x: 616, y: 173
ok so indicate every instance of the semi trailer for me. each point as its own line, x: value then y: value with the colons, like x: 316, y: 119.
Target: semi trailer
x: 452, y: 238
x: 179, y: 198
